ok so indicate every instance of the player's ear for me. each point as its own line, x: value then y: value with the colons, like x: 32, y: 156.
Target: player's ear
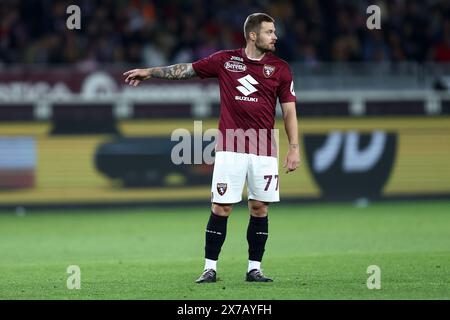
x: 252, y: 35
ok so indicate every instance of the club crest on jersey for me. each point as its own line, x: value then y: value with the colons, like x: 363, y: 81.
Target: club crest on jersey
x: 235, y: 66
x: 221, y: 188
x: 268, y: 70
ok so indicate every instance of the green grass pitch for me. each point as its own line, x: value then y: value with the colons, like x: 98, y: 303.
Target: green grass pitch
x: 315, y: 251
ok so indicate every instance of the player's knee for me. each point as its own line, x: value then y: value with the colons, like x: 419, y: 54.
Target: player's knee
x: 258, y: 208
x: 223, y: 210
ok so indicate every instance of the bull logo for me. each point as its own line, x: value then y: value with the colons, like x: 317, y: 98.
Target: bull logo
x: 221, y: 188
x: 268, y: 70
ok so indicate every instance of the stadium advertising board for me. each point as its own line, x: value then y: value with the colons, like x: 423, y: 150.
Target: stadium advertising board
x: 342, y: 158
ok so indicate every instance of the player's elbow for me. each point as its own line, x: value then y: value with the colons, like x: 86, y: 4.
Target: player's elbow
x: 289, y: 114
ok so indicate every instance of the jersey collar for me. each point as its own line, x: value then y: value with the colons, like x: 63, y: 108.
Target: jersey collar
x: 244, y: 55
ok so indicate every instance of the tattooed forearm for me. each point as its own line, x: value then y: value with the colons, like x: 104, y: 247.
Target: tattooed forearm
x: 180, y: 71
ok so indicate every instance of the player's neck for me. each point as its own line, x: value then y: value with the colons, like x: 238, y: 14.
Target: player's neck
x: 253, y: 53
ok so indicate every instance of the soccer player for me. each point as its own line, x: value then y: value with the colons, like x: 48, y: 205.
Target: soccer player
x: 250, y: 80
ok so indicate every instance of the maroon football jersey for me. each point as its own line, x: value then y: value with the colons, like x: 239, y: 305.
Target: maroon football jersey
x: 248, y: 94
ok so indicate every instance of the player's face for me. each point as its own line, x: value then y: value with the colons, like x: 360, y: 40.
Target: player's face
x: 266, y: 38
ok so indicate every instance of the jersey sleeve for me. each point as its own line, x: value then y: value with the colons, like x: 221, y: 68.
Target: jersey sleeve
x: 286, y: 91
x: 208, y: 67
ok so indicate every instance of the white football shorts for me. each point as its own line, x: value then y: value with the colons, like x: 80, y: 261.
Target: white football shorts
x: 233, y: 169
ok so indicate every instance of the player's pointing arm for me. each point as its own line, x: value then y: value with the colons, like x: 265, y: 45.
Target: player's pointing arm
x: 181, y: 71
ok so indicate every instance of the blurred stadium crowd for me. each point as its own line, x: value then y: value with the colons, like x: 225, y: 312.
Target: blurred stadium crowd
x: 160, y: 32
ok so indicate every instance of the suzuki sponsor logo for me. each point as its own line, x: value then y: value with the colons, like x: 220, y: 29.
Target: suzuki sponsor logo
x: 235, y: 66
x: 247, y: 87
x: 249, y: 99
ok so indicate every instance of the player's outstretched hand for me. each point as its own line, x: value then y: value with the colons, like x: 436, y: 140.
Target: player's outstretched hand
x: 135, y: 76
x: 292, y: 160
